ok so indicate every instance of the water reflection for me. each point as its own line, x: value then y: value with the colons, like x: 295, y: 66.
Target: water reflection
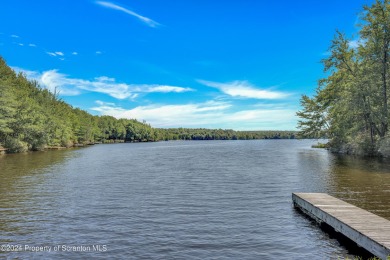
x: 362, y: 182
x: 18, y: 174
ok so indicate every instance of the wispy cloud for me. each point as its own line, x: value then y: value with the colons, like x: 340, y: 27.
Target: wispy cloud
x: 74, y: 53
x: 55, y: 54
x: 53, y: 80
x: 14, y: 36
x: 211, y: 114
x: 107, y: 108
x: 143, y: 19
x: 244, y: 89
x: 98, y: 52
x: 59, y: 54
x: 163, y: 88
x: 32, y: 45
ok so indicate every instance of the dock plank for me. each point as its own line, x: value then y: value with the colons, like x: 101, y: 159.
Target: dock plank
x: 364, y: 228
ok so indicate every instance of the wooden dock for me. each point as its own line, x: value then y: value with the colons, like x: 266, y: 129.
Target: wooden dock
x: 364, y: 228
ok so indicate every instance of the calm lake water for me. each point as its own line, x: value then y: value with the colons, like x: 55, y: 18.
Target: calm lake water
x: 179, y: 200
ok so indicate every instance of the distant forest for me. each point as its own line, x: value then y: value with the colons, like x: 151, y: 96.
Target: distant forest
x: 33, y: 118
x: 351, y: 104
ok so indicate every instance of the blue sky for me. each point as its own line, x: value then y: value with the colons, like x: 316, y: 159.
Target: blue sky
x: 231, y: 64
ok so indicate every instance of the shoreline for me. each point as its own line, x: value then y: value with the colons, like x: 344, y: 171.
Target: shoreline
x: 3, y: 151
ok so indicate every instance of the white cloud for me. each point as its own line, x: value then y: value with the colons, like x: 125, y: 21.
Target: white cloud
x: 356, y: 43
x: 20, y: 44
x: 74, y: 53
x: 59, y: 53
x: 14, y: 36
x: 165, y: 115
x: 51, y: 54
x: 56, y: 82
x: 244, y: 89
x: 102, y: 103
x: 98, y: 52
x: 53, y: 80
x: 106, y: 108
x: 210, y: 114
x: 32, y: 45
x: 143, y: 19
x: 104, y: 78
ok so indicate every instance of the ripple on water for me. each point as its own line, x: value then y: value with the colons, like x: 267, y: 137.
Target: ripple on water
x: 181, y: 200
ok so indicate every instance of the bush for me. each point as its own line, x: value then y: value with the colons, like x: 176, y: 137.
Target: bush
x: 320, y: 145
x: 384, y: 146
x: 15, y: 145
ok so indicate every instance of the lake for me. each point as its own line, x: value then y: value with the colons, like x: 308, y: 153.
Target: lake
x: 179, y: 200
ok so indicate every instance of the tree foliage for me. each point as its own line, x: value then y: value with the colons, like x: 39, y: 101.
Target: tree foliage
x: 220, y: 134
x: 33, y: 118
x: 350, y: 105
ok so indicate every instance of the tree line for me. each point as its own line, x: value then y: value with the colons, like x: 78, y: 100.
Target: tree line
x: 220, y: 134
x: 33, y: 118
x: 350, y: 105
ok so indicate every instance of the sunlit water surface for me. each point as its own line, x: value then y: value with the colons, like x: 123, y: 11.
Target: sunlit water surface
x: 180, y: 200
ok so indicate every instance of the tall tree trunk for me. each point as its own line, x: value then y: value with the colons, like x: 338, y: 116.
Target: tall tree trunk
x: 384, y: 88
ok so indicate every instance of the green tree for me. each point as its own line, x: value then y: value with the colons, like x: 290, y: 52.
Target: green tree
x: 351, y: 103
